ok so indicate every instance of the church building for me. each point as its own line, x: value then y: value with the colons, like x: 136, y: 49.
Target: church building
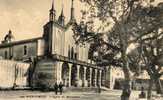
x: 55, y: 57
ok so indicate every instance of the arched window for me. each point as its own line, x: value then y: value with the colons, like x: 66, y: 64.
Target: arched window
x: 69, y: 52
x: 76, y: 55
x: 6, y: 54
x: 72, y: 53
x: 25, y: 50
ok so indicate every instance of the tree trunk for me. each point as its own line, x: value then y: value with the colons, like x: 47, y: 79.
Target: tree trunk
x: 149, y: 94
x: 126, y: 90
x: 127, y: 84
x: 124, y: 45
x: 158, y: 84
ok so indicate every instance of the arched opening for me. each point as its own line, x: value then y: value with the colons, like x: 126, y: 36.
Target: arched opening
x: 117, y: 84
x: 88, y: 76
x: 93, y: 77
x: 103, y: 78
x: 98, y: 77
x: 81, y: 75
x: 65, y: 74
x: 74, y: 75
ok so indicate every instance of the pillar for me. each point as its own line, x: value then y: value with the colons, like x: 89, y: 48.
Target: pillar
x: 100, y: 78
x: 59, y: 72
x: 69, y: 79
x: 90, y: 80
x: 84, y: 79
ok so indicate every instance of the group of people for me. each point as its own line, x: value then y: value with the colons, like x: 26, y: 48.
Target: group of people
x: 58, y: 88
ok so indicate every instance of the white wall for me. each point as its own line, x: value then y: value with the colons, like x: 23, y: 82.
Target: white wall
x: 63, y: 41
x: 40, y: 47
x: 57, y: 41
x: 7, y: 74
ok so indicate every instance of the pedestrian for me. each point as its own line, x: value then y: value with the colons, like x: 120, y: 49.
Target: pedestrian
x: 99, y: 89
x: 142, y: 94
x: 56, y: 88
x: 60, y: 87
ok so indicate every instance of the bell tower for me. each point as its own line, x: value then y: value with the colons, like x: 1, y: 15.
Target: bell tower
x: 54, y: 33
x: 52, y: 13
x: 48, y: 31
x: 61, y: 19
x: 72, y: 15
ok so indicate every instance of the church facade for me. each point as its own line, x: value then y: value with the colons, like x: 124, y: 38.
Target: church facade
x: 55, y: 57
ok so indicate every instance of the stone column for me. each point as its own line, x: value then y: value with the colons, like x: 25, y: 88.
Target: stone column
x: 84, y: 79
x: 100, y: 78
x: 90, y: 80
x: 69, y: 75
x: 77, y: 75
x: 95, y: 78
x: 59, y: 72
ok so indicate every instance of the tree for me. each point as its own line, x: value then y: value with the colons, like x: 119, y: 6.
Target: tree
x: 150, y: 47
x: 152, y: 54
x: 148, y: 56
x: 130, y: 23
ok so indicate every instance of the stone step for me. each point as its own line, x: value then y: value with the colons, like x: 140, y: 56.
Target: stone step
x: 84, y: 89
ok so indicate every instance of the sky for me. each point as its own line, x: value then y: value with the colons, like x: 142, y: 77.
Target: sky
x: 26, y: 17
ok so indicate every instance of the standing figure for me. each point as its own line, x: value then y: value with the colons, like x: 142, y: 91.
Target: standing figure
x: 60, y: 87
x: 56, y: 88
x: 99, y: 89
x: 142, y: 94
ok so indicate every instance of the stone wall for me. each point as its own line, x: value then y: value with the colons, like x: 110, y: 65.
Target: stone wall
x: 13, y: 72
x: 45, y: 74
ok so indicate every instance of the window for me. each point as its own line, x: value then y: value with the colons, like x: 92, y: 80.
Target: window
x: 68, y: 53
x: 76, y: 55
x: 25, y: 50
x: 5, y: 54
x: 72, y: 53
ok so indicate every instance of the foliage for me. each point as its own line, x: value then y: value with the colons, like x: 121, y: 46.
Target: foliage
x: 133, y: 22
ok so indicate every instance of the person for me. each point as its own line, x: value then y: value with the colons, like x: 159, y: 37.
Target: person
x: 126, y: 93
x: 60, y: 87
x: 142, y: 94
x: 56, y: 88
x: 99, y: 89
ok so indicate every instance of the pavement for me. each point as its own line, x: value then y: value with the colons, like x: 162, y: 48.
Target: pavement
x: 68, y: 95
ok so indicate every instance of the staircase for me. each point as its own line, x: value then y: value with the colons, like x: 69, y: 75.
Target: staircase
x: 83, y: 89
